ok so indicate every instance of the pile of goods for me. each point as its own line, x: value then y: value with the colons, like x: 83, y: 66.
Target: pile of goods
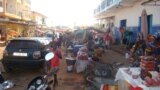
x: 150, y: 62
x: 153, y: 79
x: 148, y: 73
x: 82, y: 59
x: 147, y: 64
x: 82, y: 56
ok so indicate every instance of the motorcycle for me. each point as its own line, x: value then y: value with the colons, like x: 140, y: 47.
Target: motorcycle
x: 42, y: 82
x: 5, y: 84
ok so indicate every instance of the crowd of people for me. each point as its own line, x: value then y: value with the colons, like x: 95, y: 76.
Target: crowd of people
x: 94, y: 43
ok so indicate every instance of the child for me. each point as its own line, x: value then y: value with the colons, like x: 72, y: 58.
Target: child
x: 55, y: 62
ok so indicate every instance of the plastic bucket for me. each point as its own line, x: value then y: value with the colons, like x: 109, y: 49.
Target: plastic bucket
x: 70, y: 68
x: 70, y: 63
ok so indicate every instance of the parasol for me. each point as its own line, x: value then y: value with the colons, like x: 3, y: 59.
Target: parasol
x: 144, y: 24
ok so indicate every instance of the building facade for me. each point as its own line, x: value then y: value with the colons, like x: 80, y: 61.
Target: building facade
x: 40, y: 21
x: 127, y: 14
x: 14, y: 18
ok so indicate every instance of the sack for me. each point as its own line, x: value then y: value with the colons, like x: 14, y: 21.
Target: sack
x: 81, y: 65
x: 126, y: 55
x: 82, y: 56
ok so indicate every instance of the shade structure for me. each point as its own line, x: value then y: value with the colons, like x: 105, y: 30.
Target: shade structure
x: 80, y: 34
x: 144, y: 24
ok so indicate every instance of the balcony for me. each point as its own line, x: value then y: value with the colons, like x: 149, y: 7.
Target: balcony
x: 109, y: 5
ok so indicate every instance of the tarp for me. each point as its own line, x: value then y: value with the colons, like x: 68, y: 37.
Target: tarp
x: 94, y: 29
x: 81, y: 34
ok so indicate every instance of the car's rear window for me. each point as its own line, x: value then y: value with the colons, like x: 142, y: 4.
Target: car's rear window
x: 22, y: 44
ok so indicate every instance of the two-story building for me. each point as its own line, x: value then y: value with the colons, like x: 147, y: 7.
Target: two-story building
x: 14, y: 18
x: 127, y: 14
x: 40, y: 21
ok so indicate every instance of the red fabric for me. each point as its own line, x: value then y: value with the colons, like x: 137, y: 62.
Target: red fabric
x: 107, y: 37
x: 55, y: 61
x: 135, y: 88
x: 58, y: 53
x: 105, y: 87
x: 122, y: 30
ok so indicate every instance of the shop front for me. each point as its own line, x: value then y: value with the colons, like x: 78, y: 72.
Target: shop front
x: 13, y: 29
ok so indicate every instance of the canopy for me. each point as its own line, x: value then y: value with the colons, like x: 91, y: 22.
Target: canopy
x: 80, y: 34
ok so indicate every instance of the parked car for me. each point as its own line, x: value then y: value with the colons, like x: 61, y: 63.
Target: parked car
x: 25, y: 53
x: 44, y: 40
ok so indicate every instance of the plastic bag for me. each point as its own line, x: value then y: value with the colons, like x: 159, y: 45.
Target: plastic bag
x: 81, y: 65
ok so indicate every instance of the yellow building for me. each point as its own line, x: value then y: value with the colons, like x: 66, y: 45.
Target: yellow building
x: 14, y: 18
x: 40, y: 21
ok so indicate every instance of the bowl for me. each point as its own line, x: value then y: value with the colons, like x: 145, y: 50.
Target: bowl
x: 135, y: 76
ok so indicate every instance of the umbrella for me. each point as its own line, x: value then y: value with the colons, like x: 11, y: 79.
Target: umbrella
x: 144, y: 24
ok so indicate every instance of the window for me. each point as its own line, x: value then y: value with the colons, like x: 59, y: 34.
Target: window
x: 123, y: 23
x: 27, y: 44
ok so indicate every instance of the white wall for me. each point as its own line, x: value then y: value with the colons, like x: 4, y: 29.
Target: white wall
x: 132, y: 14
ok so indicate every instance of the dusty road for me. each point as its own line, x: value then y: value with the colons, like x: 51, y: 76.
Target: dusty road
x: 67, y: 81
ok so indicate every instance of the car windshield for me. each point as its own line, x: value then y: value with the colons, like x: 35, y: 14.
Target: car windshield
x: 22, y: 44
x: 43, y: 41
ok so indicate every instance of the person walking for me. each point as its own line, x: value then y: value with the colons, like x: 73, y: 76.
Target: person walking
x: 107, y: 38
x: 55, y: 62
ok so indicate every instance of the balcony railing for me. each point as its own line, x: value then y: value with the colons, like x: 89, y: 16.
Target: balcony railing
x: 104, y: 5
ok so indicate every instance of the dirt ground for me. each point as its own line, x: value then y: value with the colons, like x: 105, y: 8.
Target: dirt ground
x: 67, y: 81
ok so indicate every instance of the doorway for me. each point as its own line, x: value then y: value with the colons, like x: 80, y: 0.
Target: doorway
x: 149, y: 20
x: 123, y: 23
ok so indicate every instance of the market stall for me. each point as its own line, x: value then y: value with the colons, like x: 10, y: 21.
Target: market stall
x: 132, y: 77
x: 147, y: 74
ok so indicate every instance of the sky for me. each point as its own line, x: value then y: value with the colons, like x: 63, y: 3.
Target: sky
x: 67, y: 12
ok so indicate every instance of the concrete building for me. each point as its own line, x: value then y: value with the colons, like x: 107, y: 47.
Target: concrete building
x: 14, y: 18
x: 40, y: 21
x: 116, y: 14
